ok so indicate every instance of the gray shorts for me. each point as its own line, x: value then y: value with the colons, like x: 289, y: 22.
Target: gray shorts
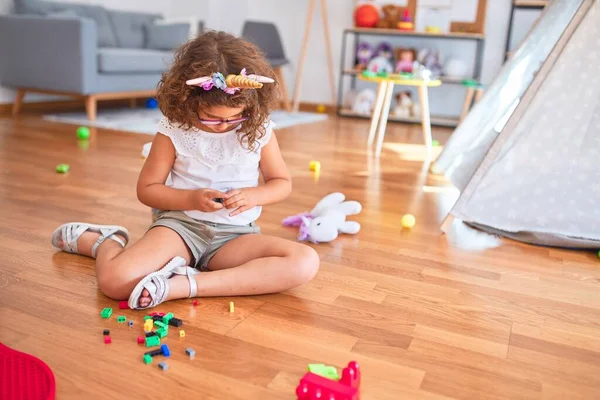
x: 203, y: 238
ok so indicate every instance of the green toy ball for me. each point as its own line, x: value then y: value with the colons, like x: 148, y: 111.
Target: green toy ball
x: 62, y: 168
x: 83, y: 133
x: 435, y: 143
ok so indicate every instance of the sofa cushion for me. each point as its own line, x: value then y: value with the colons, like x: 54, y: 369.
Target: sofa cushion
x: 129, y: 28
x: 116, y: 60
x: 166, y: 36
x: 100, y: 15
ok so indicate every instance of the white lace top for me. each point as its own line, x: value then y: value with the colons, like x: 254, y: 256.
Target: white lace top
x: 216, y: 161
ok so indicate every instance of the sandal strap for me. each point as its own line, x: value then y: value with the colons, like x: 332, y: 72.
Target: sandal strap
x: 105, y: 234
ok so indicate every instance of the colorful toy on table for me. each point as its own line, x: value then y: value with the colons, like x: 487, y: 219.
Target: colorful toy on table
x: 327, y: 220
x: 313, y: 386
x: 431, y: 60
x: 391, y: 16
x: 406, y: 24
x: 366, y: 15
x: 364, y: 54
x: 405, y: 59
x: 382, y: 66
x: 385, y: 49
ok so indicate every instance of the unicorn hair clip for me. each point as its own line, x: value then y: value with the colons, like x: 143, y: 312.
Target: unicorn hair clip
x: 230, y: 84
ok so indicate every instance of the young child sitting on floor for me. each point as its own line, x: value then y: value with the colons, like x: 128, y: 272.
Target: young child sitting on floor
x: 213, y: 140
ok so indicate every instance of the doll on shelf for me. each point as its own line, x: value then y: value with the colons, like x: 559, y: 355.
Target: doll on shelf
x: 405, y: 60
x: 364, y: 54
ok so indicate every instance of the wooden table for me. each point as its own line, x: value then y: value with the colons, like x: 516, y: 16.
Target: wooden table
x: 384, y: 99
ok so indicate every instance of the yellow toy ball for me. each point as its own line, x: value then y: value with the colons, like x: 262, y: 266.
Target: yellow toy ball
x: 408, y: 221
x: 321, y: 108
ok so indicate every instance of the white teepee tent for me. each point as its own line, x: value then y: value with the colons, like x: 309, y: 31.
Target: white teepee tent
x: 527, y: 158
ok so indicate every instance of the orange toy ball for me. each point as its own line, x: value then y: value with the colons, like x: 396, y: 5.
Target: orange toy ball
x: 366, y: 16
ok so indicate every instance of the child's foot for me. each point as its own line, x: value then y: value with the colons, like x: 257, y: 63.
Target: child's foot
x: 82, y: 238
x: 179, y: 288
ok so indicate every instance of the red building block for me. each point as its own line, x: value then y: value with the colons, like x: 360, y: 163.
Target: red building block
x: 315, y: 387
x: 123, y: 305
x: 107, y: 339
x: 141, y: 339
x: 195, y: 303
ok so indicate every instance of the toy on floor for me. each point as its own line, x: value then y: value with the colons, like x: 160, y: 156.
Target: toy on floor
x: 62, y: 168
x: 83, y: 133
x: 405, y: 107
x: 408, y: 221
x: 328, y: 219
x: 313, y: 386
x: 315, y: 166
x: 23, y: 376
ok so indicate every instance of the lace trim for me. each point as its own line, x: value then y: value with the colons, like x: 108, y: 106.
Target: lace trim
x: 213, y: 149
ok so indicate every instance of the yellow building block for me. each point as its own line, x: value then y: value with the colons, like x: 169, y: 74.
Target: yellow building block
x: 148, y: 325
x: 182, y: 333
x: 315, y: 166
x: 231, y: 306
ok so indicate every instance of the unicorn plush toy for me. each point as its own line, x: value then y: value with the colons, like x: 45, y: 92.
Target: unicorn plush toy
x: 327, y: 219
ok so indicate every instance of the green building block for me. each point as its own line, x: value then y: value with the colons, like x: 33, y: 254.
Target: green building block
x: 168, y: 317
x: 121, y: 318
x: 324, y: 371
x: 147, y: 317
x: 106, y: 313
x: 435, y: 143
x: 152, y: 341
x: 83, y: 133
x: 147, y: 359
x: 162, y: 332
x: 160, y: 324
x: 62, y: 168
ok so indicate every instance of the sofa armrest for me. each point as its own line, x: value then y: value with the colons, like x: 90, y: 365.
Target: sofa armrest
x: 54, y: 54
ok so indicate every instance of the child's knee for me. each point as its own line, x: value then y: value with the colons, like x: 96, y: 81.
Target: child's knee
x: 115, y: 281
x: 305, y: 261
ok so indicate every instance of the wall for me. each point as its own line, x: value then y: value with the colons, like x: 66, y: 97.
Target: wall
x: 290, y: 15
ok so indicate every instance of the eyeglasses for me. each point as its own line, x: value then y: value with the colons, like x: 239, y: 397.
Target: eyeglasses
x: 213, y: 122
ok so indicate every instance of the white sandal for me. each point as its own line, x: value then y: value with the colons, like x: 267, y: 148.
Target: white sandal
x: 70, y: 233
x: 157, y: 283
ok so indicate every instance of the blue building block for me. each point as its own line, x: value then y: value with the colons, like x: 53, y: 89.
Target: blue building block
x: 165, y: 350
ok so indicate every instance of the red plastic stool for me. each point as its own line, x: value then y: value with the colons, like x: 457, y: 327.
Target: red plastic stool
x: 24, y: 377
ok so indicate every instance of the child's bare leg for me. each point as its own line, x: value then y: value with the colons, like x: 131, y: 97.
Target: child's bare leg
x: 118, y: 270
x: 252, y: 264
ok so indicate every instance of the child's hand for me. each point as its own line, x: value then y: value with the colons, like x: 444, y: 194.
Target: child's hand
x: 240, y: 199
x: 205, y: 200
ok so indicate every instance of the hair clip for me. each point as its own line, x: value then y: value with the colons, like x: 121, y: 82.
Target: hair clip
x: 230, y: 84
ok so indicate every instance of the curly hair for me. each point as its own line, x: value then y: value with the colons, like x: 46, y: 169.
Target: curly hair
x: 202, y: 56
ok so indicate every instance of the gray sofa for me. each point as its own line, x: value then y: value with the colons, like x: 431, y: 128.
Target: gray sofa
x: 84, y: 51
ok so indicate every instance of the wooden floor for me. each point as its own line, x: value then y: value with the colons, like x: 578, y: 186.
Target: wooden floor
x: 463, y: 316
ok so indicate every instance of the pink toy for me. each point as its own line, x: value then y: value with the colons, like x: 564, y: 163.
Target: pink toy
x: 123, y: 305
x: 314, y: 387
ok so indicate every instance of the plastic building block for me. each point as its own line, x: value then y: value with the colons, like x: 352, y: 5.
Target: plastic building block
x: 141, y: 339
x: 195, y: 303
x: 313, y: 386
x: 62, y: 168
x: 163, y: 365
x: 83, y: 133
x: 165, y: 350
x: 176, y: 322
x: 107, y: 339
x: 147, y: 359
x: 190, y: 352
x: 168, y: 317
x: 130, y: 323
x: 315, y: 166
x: 231, y: 307
x: 160, y: 324
x: 106, y: 313
x: 148, y: 325
x: 162, y: 332
x: 147, y: 317
x: 152, y: 341
x: 324, y: 371
x: 182, y: 333
x: 148, y: 334
x: 154, y: 353
x: 106, y: 332
x: 157, y: 318
x: 121, y: 318
x: 123, y: 305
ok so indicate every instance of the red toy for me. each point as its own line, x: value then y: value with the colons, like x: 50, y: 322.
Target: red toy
x: 107, y: 340
x: 366, y: 16
x: 123, y: 305
x: 141, y: 339
x: 23, y: 376
x: 314, y: 387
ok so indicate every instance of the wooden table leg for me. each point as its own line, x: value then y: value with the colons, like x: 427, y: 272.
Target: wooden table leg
x: 384, y: 117
x: 426, y: 119
x: 20, y: 95
x: 377, y: 111
x: 467, y: 103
